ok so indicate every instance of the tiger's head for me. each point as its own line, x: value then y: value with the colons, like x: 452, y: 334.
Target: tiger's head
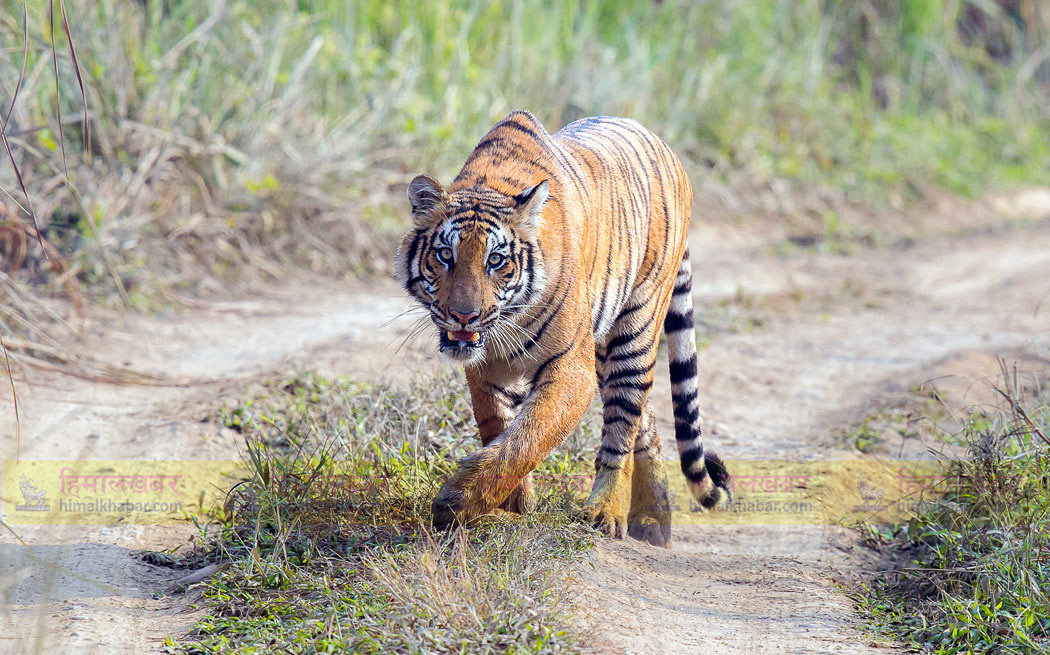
x: 472, y: 258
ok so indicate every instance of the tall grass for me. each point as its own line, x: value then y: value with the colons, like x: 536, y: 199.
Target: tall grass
x: 236, y: 138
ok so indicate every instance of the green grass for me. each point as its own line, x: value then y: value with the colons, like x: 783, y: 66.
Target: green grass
x: 973, y: 568
x: 329, y: 540
x: 921, y: 415
x: 229, y: 146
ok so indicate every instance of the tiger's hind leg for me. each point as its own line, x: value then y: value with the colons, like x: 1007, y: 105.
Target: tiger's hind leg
x: 626, y: 365
x: 650, y: 516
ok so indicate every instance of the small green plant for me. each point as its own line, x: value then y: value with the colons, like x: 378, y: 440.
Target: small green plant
x: 865, y: 438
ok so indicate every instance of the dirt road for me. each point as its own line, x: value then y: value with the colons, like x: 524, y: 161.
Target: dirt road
x: 802, y: 345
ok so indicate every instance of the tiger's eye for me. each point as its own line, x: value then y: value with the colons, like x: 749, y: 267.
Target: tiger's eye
x: 445, y: 255
x: 495, y: 259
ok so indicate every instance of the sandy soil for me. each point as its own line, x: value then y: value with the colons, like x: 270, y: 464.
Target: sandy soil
x: 839, y: 334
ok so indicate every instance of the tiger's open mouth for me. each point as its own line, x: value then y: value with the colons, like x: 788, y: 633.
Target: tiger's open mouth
x: 462, y: 342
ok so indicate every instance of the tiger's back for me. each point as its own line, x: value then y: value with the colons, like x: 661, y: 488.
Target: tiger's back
x: 568, y: 252
x: 621, y: 196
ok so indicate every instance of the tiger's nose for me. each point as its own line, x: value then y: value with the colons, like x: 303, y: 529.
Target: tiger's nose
x: 464, y: 316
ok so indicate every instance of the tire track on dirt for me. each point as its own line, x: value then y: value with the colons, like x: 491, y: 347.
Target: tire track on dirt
x: 77, y: 588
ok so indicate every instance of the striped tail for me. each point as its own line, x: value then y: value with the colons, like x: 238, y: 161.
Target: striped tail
x: 707, y: 475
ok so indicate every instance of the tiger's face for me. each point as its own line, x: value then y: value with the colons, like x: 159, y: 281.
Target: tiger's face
x: 473, y: 260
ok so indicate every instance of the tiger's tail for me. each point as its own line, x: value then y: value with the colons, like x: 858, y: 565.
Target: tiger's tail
x: 707, y: 475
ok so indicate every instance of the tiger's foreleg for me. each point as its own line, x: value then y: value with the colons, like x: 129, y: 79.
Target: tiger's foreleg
x: 495, y: 406
x: 562, y: 389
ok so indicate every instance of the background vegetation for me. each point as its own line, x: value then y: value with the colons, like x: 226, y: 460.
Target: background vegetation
x: 231, y: 140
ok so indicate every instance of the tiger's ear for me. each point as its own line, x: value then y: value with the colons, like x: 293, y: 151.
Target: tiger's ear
x: 425, y: 194
x: 530, y: 203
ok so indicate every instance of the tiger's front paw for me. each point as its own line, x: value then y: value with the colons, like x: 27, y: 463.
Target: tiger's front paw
x: 472, y: 491
x: 457, y: 503
x: 446, y: 509
x: 610, y: 498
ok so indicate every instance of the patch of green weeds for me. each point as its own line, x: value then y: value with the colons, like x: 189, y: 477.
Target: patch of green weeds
x: 919, y: 416
x: 972, y: 570
x: 329, y: 539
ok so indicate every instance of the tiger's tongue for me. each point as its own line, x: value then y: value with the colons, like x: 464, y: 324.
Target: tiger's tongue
x: 463, y: 335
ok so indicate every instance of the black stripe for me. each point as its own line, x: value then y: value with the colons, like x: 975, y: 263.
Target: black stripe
x: 691, y: 457
x: 614, y: 451
x: 519, y: 127
x: 625, y: 339
x: 677, y: 322
x: 475, y: 218
x: 683, y: 432
x: 631, y: 354
x: 605, y: 288
x: 630, y: 310
x: 412, y: 250
x: 687, y: 417
x: 683, y: 287
x: 512, y: 397
x: 628, y: 372
x: 681, y: 371
x: 624, y: 404
x: 682, y: 400
x: 544, y: 365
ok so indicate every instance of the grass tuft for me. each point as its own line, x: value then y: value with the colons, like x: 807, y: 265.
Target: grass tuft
x: 329, y: 533
x: 974, y: 567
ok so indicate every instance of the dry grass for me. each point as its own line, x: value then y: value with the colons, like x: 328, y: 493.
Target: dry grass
x: 329, y: 535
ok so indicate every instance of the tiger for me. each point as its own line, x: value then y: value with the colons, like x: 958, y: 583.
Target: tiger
x: 548, y: 266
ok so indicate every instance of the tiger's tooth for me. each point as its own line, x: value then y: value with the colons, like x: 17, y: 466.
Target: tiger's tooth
x: 451, y: 337
x: 473, y: 336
